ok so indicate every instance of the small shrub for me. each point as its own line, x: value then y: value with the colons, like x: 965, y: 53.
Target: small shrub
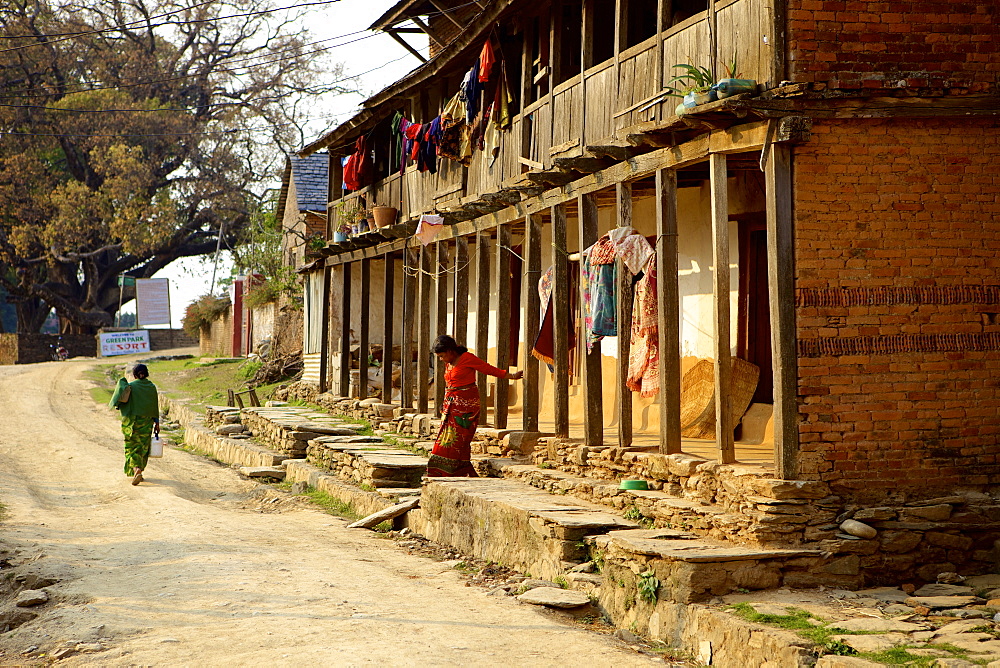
x: 648, y: 586
x: 202, y: 312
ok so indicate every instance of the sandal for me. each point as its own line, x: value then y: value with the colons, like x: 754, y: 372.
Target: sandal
x: 137, y: 478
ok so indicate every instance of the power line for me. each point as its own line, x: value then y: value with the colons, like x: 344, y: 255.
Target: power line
x: 165, y: 23
x: 90, y: 32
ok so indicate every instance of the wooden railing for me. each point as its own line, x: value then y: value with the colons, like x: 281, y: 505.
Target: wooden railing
x: 592, y: 107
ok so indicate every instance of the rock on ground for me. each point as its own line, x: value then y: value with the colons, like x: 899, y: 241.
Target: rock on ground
x: 554, y: 597
x: 31, y: 597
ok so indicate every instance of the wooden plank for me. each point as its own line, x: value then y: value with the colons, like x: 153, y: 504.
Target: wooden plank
x: 345, y: 333
x: 388, y: 318
x: 532, y: 318
x: 403, y: 43
x: 324, y: 342
x: 623, y: 206
x: 593, y: 384
x: 424, y: 330
x: 460, y: 329
x: 442, y: 275
x: 504, y: 313
x: 528, y: 162
x: 407, y: 376
x: 482, y: 312
x: 720, y: 291
x: 781, y: 294
x: 560, y: 321
x: 364, y: 312
x: 668, y: 315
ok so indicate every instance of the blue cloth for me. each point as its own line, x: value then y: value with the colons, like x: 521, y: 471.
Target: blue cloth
x: 470, y: 93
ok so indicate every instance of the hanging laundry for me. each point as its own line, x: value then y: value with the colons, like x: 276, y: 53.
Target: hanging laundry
x: 428, y: 228
x: 544, y: 346
x: 427, y: 156
x: 452, y: 143
x: 471, y: 88
x: 600, y: 293
x: 644, y: 353
x: 635, y: 251
x: 358, y: 168
x: 486, y: 60
x: 404, y: 142
x: 499, y: 117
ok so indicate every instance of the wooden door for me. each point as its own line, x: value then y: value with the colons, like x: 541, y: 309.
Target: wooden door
x: 754, y: 324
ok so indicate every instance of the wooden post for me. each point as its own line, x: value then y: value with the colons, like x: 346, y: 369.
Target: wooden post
x: 482, y: 312
x: 781, y: 294
x: 407, y: 373
x: 586, y: 61
x: 560, y: 321
x: 504, y: 308
x: 345, y: 333
x: 668, y: 314
x: 532, y: 317
x: 460, y: 329
x: 623, y: 202
x: 324, y: 341
x: 364, y: 312
x: 335, y: 191
x: 593, y: 389
x: 388, y: 309
x: 424, y: 331
x: 440, y: 319
x: 723, y: 349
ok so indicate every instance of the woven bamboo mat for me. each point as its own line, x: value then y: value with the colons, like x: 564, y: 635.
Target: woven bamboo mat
x: 698, y: 396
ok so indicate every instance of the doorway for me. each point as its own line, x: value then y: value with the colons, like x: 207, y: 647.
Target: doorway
x: 753, y: 342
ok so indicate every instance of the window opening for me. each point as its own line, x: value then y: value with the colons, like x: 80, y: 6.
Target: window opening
x: 641, y: 21
x: 604, y: 34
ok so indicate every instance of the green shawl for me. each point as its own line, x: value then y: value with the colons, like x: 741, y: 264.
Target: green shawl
x: 143, y: 402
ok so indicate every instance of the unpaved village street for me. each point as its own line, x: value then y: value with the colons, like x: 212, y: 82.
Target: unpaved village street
x: 195, y: 568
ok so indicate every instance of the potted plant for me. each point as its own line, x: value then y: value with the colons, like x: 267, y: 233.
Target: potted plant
x: 360, y: 221
x: 697, y: 82
x: 732, y: 83
x: 384, y: 216
x: 347, y: 213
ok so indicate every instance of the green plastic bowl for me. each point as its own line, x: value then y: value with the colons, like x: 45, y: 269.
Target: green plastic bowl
x: 633, y: 484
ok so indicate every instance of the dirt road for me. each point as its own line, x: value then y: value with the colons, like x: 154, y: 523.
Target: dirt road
x: 185, y: 570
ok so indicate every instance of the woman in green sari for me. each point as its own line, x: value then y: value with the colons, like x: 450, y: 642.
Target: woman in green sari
x: 140, y: 408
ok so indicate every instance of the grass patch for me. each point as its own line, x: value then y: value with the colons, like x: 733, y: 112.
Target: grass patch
x: 331, y: 504
x: 100, y: 395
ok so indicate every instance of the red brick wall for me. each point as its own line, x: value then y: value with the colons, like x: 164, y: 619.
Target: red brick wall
x: 918, y: 43
x: 898, y: 292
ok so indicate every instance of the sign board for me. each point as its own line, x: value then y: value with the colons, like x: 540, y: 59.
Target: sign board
x: 152, y: 301
x: 126, y: 281
x: 124, y: 343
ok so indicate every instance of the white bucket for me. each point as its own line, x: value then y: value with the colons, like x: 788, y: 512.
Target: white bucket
x: 156, y: 448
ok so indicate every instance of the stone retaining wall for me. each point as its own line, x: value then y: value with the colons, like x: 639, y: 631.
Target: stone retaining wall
x: 364, y: 503
x: 228, y: 450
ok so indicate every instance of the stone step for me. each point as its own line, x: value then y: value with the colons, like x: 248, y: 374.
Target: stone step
x: 276, y: 472
x: 512, y: 523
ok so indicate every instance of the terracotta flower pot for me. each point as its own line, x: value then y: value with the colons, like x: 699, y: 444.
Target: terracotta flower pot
x: 384, y: 216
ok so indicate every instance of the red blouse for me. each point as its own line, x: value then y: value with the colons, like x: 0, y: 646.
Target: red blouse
x: 463, y: 371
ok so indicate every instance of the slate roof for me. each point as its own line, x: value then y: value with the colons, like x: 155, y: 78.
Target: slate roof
x: 310, y: 174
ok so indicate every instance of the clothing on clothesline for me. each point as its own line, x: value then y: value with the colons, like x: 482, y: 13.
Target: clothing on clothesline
x: 644, y: 353
x: 544, y: 346
x: 428, y: 228
x: 486, y: 60
x: 635, y: 251
x: 358, y: 168
x: 471, y: 88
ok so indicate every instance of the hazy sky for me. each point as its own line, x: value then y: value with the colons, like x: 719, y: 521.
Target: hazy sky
x: 190, y: 278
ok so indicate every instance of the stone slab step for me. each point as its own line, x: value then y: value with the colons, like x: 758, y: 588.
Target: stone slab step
x: 277, y: 472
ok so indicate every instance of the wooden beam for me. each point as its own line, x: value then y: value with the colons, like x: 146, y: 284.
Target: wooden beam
x: 427, y: 29
x: 388, y: 317
x: 593, y: 386
x: 504, y: 314
x: 623, y: 206
x: 424, y: 330
x: 441, y: 276
x: 721, y: 290
x: 460, y: 328
x: 781, y: 295
x: 532, y: 317
x: 403, y: 43
x: 482, y: 312
x: 448, y: 13
x: 668, y: 298
x: 335, y: 190
x: 324, y: 342
x: 408, y: 371
x: 345, y: 333
x: 364, y: 312
x: 560, y: 321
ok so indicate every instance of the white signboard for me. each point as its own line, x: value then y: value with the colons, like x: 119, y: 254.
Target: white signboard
x: 124, y: 343
x: 152, y: 301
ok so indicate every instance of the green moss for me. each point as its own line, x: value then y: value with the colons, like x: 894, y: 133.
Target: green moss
x: 331, y: 504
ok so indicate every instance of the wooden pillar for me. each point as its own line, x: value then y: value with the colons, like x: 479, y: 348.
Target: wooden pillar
x: 668, y: 298
x: 407, y: 376
x: 504, y: 309
x: 460, y: 329
x: 586, y: 61
x: 593, y: 387
x: 482, y: 311
x: 781, y: 294
x: 560, y: 321
x: 532, y: 317
x: 335, y: 191
x: 345, y: 333
x: 440, y: 318
x: 364, y: 312
x: 388, y: 313
x: 723, y: 349
x: 623, y: 206
x: 324, y: 342
x: 424, y: 330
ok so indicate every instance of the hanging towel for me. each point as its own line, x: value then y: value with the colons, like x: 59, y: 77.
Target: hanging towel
x: 358, y: 168
x: 486, y: 60
x: 644, y: 353
x: 544, y: 347
x: 635, y: 252
x: 428, y: 228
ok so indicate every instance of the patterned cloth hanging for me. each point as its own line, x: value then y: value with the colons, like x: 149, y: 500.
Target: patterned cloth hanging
x: 644, y: 352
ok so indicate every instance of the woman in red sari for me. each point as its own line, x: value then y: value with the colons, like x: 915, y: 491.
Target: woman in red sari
x: 452, y: 453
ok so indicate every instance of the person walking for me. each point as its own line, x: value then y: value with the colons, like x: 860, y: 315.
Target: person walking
x: 140, y: 409
x: 452, y: 452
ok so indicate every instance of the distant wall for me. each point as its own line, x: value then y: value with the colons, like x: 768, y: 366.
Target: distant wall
x: 217, y: 339
x: 32, y: 348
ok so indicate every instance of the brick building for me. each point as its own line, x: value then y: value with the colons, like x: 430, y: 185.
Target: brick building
x: 302, y: 204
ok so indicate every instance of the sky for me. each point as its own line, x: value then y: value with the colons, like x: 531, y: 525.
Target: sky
x: 191, y: 278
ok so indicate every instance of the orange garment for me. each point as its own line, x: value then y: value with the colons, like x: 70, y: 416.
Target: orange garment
x: 463, y: 371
